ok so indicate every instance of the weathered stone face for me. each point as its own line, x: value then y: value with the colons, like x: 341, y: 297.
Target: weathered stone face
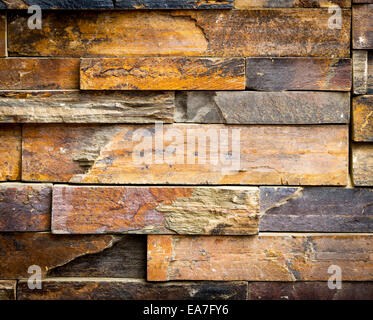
x: 10, y: 152
x: 362, y: 26
x: 269, y: 155
x: 244, y: 33
x: 187, y: 73
x: 362, y: 164
x: 8, y: 289
x: 86, y: 107
x: 39, y: 74
x: 247, y: 4
x: 269, y: 257
x: 156, y: 210
x: 363, y: 119
x: 309, y: 291
x: 19, y: 251
x: 119, y: 4
x: 132, y: 289
x: 316, y: 209
x: 25, y: 207
x: 248, y: 107
x: 277, y: 74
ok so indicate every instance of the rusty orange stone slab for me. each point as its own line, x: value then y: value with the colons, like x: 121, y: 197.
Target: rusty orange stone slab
x: 171, y: 154
x: 163, y: 73
x: 39, y: 74
x: 19, y: 251
x: 294, y: 32
x: 10, y: 152
x: 363, y: 118
x: 267, y: 257
x: 156, y: 210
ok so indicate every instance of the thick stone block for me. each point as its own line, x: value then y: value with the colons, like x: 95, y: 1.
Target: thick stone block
x: 86, y: 107
x: 10, y: 152
x: 156, y: 210
x: 124, y: 154
x: 212, y: 33
x: 269, y: 257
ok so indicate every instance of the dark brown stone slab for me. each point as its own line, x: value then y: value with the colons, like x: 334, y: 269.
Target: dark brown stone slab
x: 25, y: 207
x: 286, y: 209
x: 125, y: 259
x: 278, y: 74
x: 310, y: 291
x: 131, y: 289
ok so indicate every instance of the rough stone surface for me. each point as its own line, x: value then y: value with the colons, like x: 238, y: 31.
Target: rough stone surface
x: 10, y: 152
x: 19, y: 251
x: 174, y: 4
x: 163, y: 73
x: 362, y: 26
x: 363, y: 118
x: 248, y: 4
x: 269, y: 257
x: 125, y: 259
x: 362, y: 164
x: 244, y: 33
x: 278, y: 74
x: 86, y: 107
x: 360, y: 71
x: 25, y: 207
x: 39, y: 74
x: 58, y: 4
x: 275, y: 155
x: 120, y: 4
x: 246, y: 107
x: 131, y: 289
x: 316, y: 209
x: 7, y: 289
x: 3, y: 50
x: 157, y: 210
x: 310, y: 291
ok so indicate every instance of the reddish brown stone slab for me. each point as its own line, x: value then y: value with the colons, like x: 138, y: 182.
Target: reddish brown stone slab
x: 269, y: 257
x: 215, y: 33
x: 19, y: 251
x: 310, y: 291
x: 39, y: 74
x: 362, y: 26
x: 163, y: 73
x: 25, y: 207
x: 157, y: 210
x: 10, y: 152
x: 279, y: 74
x: 270, y: 155
x: 131, y: 289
